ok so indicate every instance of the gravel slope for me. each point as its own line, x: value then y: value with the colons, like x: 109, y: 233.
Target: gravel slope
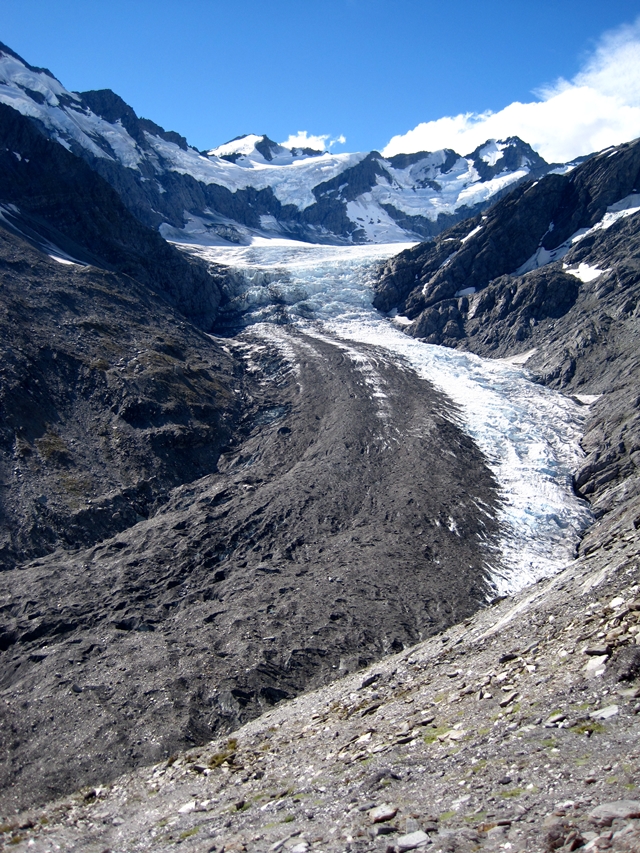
x: 514, y: 730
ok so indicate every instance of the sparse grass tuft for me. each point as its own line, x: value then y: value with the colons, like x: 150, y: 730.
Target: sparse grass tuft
x: 432, y: 736
x: 589, y: 727
x: 512, y: 793
x: 189, y: 832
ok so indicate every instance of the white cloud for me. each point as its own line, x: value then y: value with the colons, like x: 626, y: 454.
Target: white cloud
x: 598, y: 108
x: 320, y: 143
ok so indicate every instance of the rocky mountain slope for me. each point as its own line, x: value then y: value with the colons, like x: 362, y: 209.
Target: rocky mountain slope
x: 515, y: 730
x: 254, y: 186
x: 52, y: 198
x: 197, y: 529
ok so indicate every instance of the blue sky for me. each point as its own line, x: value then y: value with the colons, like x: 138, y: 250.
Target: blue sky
x: 368, y: 70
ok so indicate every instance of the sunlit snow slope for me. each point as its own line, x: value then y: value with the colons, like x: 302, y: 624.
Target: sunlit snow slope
x: 528, y: 433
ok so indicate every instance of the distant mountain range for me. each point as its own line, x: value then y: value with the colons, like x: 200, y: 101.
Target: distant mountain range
x: 253, y: 186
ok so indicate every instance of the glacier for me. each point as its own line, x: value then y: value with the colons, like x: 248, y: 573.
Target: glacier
x: 529, y: 434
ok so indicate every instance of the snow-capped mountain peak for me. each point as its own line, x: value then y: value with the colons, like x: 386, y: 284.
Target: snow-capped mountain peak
x: 251, y: 149
x: 253, y: 186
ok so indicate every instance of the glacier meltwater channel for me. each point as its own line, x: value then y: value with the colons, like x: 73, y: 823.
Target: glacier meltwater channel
x: 528, y: 433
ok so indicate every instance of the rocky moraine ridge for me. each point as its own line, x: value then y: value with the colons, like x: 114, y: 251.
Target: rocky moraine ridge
x: 197, y: 529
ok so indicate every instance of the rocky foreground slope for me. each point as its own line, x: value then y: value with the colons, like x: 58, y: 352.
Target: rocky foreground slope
x: 179, y: 541
x: 515, y: 730
x: 194, y: 529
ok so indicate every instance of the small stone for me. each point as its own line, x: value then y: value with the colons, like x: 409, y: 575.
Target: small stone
x: 508, y: 699
x: 597, y: 651
x: 187, y: 808
x: 606, y: 813
x: 554, y: 719
x: 456, y: 734
x: 301, y: 847
x: 412, y: 841
x: 505, y: 780
x: 604, y: 713
x: 382, y: 829
x: 507, y: 657
x: 596, y: 665
x: 405, y: 739
x: 382, y: 813
x: 629, y: 692
x: 496, y: 831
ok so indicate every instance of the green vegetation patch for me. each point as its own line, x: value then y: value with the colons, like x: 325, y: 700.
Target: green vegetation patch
x: 188, y: 833
x: 589, y: 727
x: 434, y: 734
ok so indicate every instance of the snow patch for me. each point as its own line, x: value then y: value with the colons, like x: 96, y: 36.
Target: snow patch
x: 471, y: 234
x: 492, y: 152
x: 584, y: 272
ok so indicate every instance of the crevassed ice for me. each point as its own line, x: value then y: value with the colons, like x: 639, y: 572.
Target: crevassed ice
x: 528, y: 433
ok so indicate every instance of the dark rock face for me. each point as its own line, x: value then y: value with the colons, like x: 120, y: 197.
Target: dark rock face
x: 108, y: 401
x: 585, y: 333
x: 62, y: 201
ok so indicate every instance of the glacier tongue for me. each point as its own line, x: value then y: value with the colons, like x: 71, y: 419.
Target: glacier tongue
x: 529, y: 434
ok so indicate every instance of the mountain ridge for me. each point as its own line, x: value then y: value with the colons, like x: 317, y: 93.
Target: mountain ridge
x: 258, y: 187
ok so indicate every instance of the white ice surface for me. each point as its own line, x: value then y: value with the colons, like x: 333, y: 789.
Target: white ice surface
x: 529, y: 434
x: 374, y: 220
x: 291, y: 184
x: 492, y: 152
